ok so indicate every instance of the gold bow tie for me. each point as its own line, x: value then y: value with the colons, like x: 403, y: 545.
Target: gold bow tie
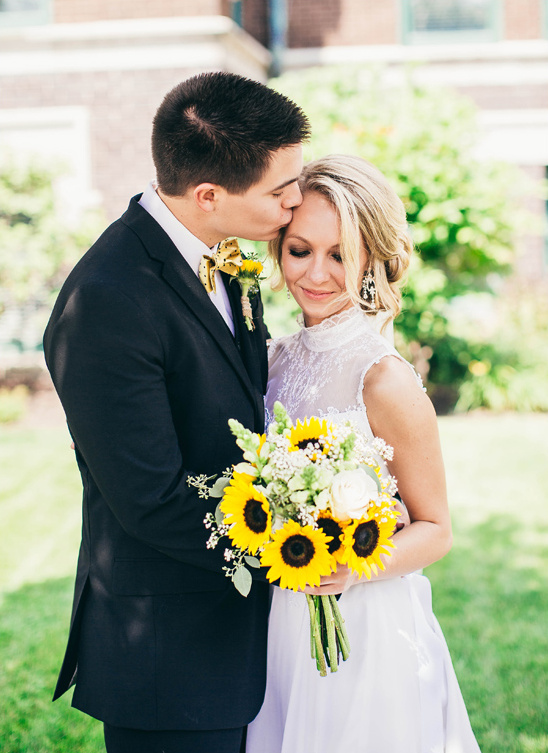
x: 227, y: 258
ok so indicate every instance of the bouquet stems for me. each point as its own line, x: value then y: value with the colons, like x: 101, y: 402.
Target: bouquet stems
x: 328, y: 637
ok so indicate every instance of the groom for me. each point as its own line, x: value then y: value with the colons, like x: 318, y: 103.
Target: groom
x: 149, y: 367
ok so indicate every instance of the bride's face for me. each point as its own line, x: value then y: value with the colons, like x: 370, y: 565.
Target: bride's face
x: 311, y: 260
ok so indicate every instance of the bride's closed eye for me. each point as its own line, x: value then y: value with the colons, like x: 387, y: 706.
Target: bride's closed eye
x: 299, y: 253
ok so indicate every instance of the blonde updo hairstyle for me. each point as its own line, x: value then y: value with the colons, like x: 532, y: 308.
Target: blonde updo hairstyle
x: 372, y: 216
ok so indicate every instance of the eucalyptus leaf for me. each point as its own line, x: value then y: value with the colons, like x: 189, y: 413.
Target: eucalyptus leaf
x: 219, y: 515
x: 218, y: 488
x: 252, y: 561
x: 370, y: 472
x: 242, y: 580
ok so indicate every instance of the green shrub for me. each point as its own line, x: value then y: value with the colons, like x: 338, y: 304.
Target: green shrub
x: 463, y: 212
x: 13, y: 403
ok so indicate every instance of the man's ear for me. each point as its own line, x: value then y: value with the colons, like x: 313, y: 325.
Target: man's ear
x: 208, y: 196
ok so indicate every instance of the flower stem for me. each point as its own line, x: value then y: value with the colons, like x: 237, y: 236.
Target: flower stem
x: 332, y: 651
x: 342, y: 635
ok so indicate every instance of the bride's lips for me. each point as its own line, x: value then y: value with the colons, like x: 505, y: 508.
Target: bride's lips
x: 317, y: 295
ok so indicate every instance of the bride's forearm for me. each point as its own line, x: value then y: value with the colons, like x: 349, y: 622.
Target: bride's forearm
x: 416, y: 546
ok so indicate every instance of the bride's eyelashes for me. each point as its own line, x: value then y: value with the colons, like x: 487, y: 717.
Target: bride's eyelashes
x: 301, y: 253
x: 298, y: 253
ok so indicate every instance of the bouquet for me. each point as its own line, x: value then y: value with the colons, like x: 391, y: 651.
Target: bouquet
x: 307, y: 497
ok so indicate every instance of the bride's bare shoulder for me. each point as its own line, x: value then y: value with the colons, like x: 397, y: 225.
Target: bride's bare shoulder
x: 392, y: 383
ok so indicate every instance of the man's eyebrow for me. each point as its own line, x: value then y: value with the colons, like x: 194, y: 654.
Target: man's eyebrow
x: 283, y: 185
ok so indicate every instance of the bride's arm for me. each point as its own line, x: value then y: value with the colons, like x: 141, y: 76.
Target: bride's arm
x: 401, y: 413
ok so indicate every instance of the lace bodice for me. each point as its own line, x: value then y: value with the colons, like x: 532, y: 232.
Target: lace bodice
x: 320, y: 370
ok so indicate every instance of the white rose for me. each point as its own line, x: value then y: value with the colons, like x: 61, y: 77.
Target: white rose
x: 352, y: 492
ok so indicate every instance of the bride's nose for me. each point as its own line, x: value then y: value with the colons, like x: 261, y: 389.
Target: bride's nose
x: 318, y: 269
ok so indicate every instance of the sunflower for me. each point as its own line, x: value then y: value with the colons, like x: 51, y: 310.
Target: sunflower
x: 334, y: 528
x: 251, y: 268
x: 297, y: 555
x: 366, y: 539
x: 309, y: 433
x: 247, y: 512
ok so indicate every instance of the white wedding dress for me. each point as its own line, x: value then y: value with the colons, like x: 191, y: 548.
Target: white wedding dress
x: 397, y: 692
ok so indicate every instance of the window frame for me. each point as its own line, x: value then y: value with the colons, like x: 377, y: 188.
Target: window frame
x: 38, y: 17
x: 492, y: 33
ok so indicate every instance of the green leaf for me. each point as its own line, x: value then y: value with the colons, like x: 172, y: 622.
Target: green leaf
x: 218, y: 488
x: 252, y: 561
x: 242, y: 580
x: 219, y: 515
x: 370, y: 472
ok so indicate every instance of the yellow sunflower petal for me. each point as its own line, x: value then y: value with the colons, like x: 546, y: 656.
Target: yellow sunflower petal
x: 311, y: 431
x: 247, y: 513
x: 297, y: 556
x: 366, y: 539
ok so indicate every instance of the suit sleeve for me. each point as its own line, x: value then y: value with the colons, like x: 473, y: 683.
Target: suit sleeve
x: 107, y: 363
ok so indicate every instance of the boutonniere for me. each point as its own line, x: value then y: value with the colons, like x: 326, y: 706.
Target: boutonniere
x: 247, y: 272
x: 249, y: 277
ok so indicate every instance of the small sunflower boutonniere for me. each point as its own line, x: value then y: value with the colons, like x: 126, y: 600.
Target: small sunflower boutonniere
x: 249, y: 277
x: 306, y: 497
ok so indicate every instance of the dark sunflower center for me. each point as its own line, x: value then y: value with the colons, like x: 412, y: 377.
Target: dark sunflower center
x: 255, y: 517
x: 297, y: 551
x: 302, y: 444
x: 331, y: 528
x: 366, y: 537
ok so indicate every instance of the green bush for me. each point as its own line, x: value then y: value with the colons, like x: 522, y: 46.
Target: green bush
x: 13, y: 403
x: 37, y: 245
x: 463, y: 212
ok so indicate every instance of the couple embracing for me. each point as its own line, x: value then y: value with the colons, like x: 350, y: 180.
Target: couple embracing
x: 151, y: 356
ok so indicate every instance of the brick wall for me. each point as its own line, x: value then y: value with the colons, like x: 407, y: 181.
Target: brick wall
x: 78, y: 11
x: 341, y: 22
x: 522, y: 19
x: 255, y: 20
x: 121, y: 105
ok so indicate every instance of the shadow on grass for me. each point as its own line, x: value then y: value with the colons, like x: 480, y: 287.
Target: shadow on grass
x: 33, y: 631
x: 491, y: 598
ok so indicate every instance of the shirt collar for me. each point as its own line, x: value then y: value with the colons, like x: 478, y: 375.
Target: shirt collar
x: 191, y: 248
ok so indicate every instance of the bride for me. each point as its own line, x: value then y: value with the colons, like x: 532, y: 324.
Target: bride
x: 342, y: 257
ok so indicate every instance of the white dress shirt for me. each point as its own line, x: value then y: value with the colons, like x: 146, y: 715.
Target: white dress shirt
x: 191, y: 248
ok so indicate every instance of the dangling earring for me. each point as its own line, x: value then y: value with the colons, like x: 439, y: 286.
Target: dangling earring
x: 288, y: 294
x: 369, y: 291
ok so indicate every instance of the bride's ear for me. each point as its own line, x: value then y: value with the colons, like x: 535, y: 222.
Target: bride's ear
x: 207, y: 196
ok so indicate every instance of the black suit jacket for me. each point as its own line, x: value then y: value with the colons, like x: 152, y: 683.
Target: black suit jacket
x: 149, y: 374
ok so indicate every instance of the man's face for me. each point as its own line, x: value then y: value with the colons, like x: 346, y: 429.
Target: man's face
x: 266, y: 207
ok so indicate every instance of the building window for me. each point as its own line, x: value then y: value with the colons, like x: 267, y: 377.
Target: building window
x: 24, y: 12
x: 427, y: 21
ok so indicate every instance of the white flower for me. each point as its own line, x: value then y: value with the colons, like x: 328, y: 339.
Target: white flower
x: 322, y: 500
x: 351, y: 493
x: 246, y: 468
x: 299, y: 497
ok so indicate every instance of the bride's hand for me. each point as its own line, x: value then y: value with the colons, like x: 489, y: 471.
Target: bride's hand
x: 335, y: 583
x: 403, y: 518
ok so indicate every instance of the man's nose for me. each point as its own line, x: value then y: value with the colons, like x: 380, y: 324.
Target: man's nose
x: 293, y: 197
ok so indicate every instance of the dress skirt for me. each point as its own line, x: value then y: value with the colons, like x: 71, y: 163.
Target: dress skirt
x: 396, y: 693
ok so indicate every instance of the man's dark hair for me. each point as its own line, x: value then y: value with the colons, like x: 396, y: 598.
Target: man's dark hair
x: 221, y: 128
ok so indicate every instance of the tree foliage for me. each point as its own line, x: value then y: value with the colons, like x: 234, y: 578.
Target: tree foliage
x: 38, y: 246
x: 463, y: 211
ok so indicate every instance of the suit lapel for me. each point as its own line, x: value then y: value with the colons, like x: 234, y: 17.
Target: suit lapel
x: 180, y: 277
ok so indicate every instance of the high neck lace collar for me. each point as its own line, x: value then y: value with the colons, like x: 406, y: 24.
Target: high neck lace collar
x: 335, y: 331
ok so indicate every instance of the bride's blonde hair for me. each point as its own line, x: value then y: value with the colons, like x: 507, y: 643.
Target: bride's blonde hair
x: 371, y: 215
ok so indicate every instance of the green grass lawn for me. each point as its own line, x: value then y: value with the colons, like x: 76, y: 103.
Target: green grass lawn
x: 490, y: 592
